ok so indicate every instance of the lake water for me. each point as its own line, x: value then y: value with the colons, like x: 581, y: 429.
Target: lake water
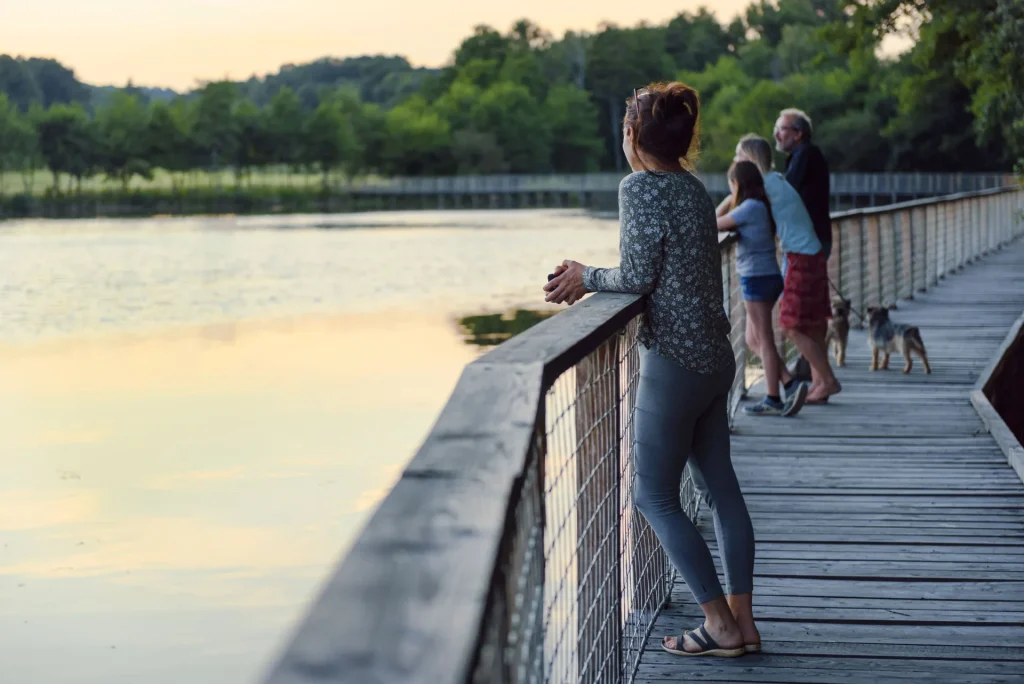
x: 197, y: 415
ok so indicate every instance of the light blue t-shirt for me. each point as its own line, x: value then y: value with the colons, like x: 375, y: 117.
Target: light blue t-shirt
x: 793, y: 223
x: 755, y: 252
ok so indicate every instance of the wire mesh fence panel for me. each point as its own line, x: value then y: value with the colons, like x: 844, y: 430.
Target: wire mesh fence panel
x: 606, y: 575
x: 646, y: 574
x: 733, y: 295
x: 514, y: 629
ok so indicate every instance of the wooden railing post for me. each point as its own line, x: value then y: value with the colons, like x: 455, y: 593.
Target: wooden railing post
x: 906, y: 289
x: 873, y: 262
x: 920, y: 249
x: 850, y: 280
x: 950, y: 237
x: 931, y: 246
x: 598, y: 570
x: 888, y: 258
x: 963, y: 225
x: 975, y: 228
x: 863, y: 264
x: 835, y: 261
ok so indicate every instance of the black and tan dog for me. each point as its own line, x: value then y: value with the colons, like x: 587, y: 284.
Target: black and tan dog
x: 886, y: 337
x: 839, y: 330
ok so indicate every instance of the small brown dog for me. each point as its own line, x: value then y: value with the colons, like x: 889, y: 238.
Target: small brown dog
x: 885, y: 337
x: 839, y: 330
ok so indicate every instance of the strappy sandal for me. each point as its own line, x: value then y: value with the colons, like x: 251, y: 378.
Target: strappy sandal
x: 708, y: 646
x: 749, y: 648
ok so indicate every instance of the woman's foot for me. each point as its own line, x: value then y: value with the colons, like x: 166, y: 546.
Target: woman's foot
x: 727, y: 637
x: 741, y: 606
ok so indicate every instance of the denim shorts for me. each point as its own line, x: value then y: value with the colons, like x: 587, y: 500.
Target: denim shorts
x: 761, y: 288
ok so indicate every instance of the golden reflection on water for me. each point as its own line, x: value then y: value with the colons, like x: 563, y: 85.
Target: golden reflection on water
x: 148, y: 484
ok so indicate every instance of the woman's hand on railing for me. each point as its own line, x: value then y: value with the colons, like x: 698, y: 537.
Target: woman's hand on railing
x: 567, y: 285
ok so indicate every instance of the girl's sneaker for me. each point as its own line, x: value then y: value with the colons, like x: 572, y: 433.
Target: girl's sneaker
x: 768, y: 406
x: 795, y: 400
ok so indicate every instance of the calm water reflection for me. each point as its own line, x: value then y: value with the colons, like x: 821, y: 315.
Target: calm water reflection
x: 196, y: 415
x: 489, y: 330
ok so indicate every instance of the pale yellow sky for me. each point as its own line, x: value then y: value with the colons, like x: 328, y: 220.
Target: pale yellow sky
x: 174, y: 43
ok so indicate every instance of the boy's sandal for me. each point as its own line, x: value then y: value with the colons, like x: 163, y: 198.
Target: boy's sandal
x: 708, y: 646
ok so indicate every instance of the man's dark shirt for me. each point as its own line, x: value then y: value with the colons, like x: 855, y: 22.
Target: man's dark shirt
x: 807, y: 171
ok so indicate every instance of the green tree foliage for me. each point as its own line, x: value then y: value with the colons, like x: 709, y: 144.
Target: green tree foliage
x: 572, y: 116
x: 418, y: 140
x: 618, y: 61
x: 17, y: 139
x: 524, y: 101
x: 214, y: 127
x: 169, y: 137
x: 284, y: 116
x: 67, y: 142
x: 330, y: 139
x: 697, y: 40
x: 977, y: 45
x: 516, y: 120
x: 122, y: 140
x: 382, y: 80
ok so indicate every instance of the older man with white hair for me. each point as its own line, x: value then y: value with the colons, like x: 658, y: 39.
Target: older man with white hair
x: 806, y: 170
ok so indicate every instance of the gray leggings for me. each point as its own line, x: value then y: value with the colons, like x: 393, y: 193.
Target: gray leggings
x: 680, y: 414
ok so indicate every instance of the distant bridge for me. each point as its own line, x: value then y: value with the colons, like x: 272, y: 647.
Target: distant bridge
x: 597, y: 189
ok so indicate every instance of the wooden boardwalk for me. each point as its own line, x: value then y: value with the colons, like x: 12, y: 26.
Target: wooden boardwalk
x: 890, y: 529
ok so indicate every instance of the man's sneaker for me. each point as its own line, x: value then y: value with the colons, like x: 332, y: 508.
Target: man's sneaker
x: 795, y: 400
x: 765, y: 407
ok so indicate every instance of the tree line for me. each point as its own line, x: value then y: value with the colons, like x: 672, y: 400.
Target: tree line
x: 522, y: 101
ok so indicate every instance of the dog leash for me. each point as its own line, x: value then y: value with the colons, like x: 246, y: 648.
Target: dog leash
x: 843, y: 297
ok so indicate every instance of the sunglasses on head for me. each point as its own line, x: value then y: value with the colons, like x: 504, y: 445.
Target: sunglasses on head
x: 636, y: 101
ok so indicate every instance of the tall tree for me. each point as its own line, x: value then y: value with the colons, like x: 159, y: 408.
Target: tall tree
x: 980, y: 42
x: 12, y: 134
x: 18, y: 83
x: 215, y: 129
x: 168, y: 138
x: 253, y: 147
x: 284, y: 124
x: 121, y: 130
x: 515, y: 118
x: 696, y: 40
x: 419, y: 140
x: 67, y: 142
x: 576, y: 143
x: 484, y: 44
x: 620, y: 60
x: 329, y: 138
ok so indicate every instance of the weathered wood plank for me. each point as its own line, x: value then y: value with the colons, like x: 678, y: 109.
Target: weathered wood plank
x: 883, y: 650
x: 888, y: 523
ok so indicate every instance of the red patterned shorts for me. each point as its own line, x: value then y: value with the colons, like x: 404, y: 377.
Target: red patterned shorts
x: 805, y: 299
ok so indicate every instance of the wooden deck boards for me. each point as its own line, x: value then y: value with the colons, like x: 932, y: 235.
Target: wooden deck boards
x: 890, y: 529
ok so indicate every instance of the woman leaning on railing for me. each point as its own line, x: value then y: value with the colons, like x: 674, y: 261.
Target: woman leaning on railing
x: 669, y: 251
